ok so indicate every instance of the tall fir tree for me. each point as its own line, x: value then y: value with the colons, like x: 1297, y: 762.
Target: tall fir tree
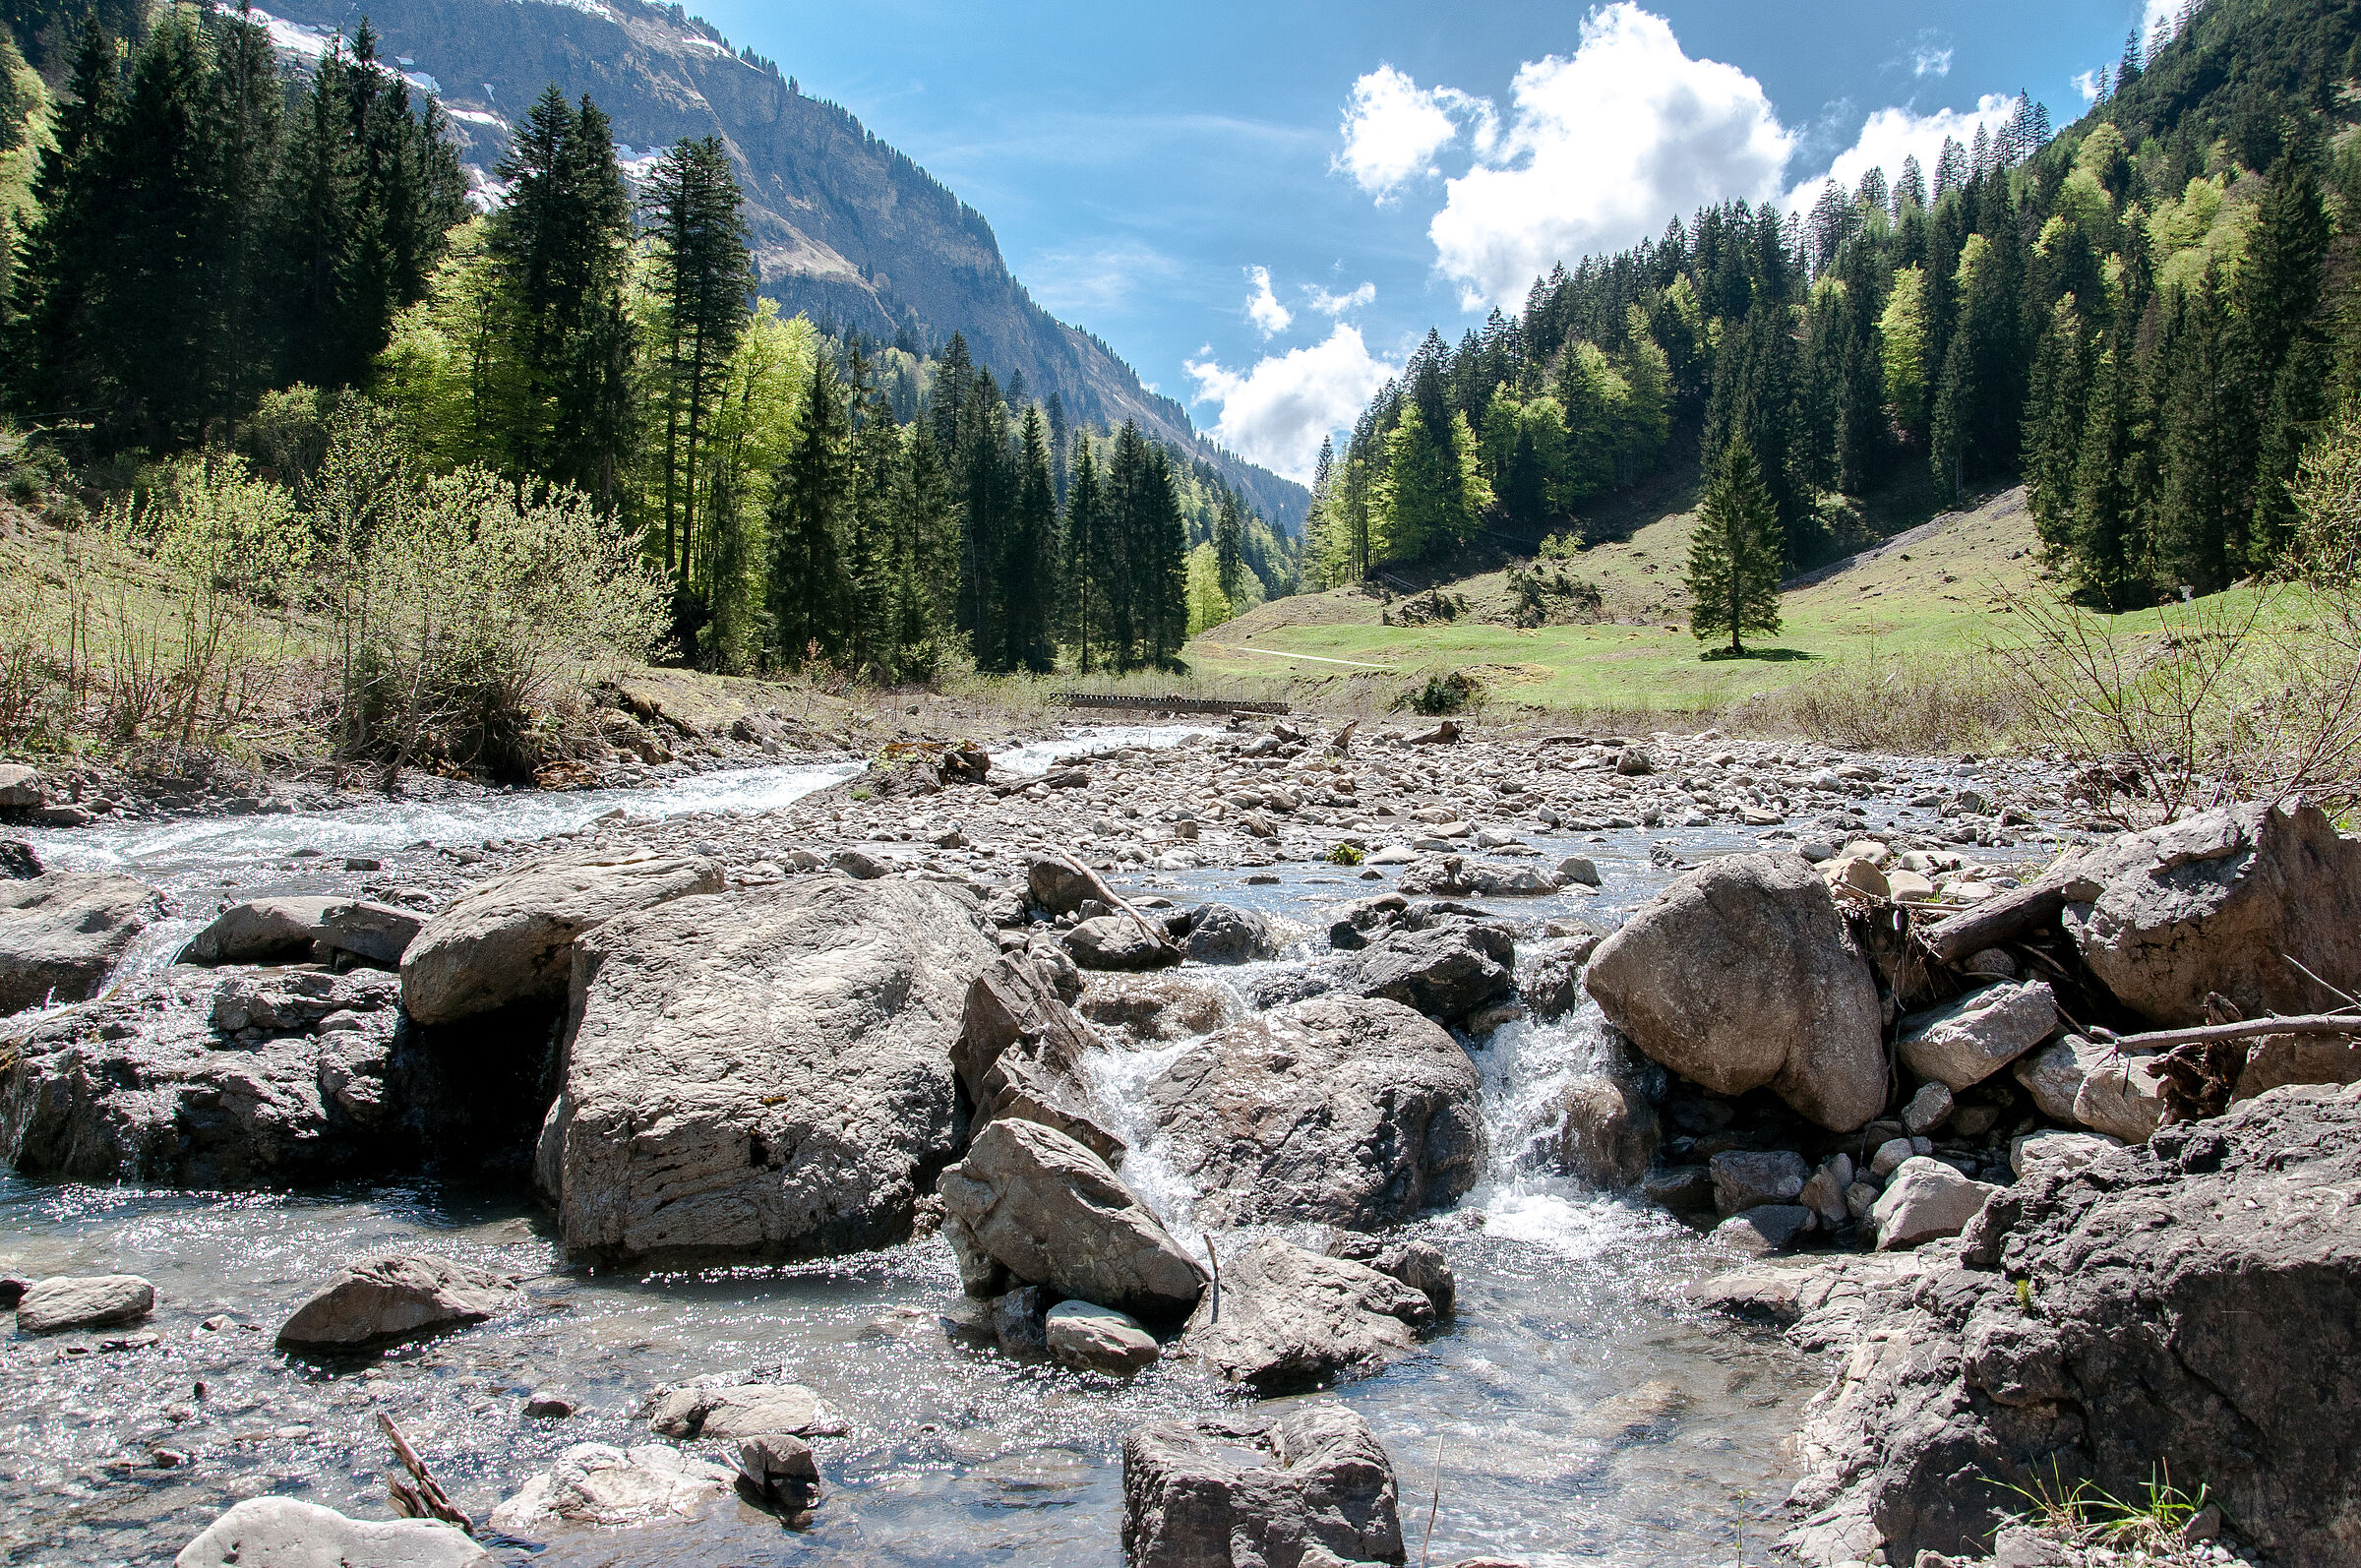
x: 1735, y: 559
x: 808, y: 524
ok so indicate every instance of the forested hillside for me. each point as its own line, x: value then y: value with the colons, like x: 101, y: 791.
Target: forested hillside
x: 2147, y: 315
x: 844, y: 227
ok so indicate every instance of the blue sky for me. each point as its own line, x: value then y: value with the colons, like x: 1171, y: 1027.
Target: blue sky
x: 1263, y: 206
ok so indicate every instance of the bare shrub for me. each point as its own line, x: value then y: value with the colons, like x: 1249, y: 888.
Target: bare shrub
x: 1919, y: 705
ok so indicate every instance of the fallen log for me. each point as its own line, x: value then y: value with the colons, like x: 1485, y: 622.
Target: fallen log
x: 2005, y: 918
x: 422, y: 1497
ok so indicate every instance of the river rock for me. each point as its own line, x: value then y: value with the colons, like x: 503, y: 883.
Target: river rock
x: 1242, y: 1491
x: 1925, y: 1199
x: 289, y: 1533
x: 19, y: 861
x: 19, y: 787
x: 2192, y: 1307
x: 510, y: 939
x: 139, y: 1086
x: 1454, y: 877
x: 1090, y: 1337
x: 725, y: 1413
x: 1550, y: 975
x: 1019, y: 1054
x: 2274, y: 1061
x: 1052, y: 1213
x: 283, y: 1001
x: 264, y: 931
x: 1764, y: 1229
x: 1289, y: 1320
x: 1608, y: 1134
x: 1351, y: 931
x: 779, y: 1469
x: 2054, y: 1147
x: 62, y: 931
x: 89, y: 1301
x: 384, y: 1298
x: 2054, y: 1074
x: 594, y: 1483
x: 1118, y: 941
x: 2229, y: 900
x: 1218, y: 934
x: 1747, y: 1180
x: 1445, y: 966
x: 1157, y: 1009
x: 765, y: 1072
x: 1966, y: 1041
x: 2122, y: 1097
x: 1020, y: 1320
x: 1348, y: 1111
x: 1057, y: 888
x: 1743, y: 973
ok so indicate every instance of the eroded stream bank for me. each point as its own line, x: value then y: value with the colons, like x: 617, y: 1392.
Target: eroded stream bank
x: 1582, y: 1410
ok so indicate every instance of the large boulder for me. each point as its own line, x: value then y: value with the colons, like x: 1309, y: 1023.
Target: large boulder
x: 1966, y: 1041
x: 1743, y: 973
x: 1049, y: 1212
x: 2188, y: 1306
x: 1444, y: 965
x: 1222, y: 934
x: 289, y: 1533
x: 1287, y: 1320
x: 1607, y: 1132
x: 1019, y: 1054
x: 381, y: 1300
x: 1120, y: 943
x: 2240, y: 900
x: 1244, y: 1492
x: 1340, y: 1110
x: 765, y: 1072
x: 62, y: 931
x: 142, y: 1086
x: 510, y: 941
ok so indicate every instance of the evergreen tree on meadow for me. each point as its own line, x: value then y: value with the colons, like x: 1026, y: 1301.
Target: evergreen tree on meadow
x: 1229, y: 547
x: 54, y: 346
x: 1734, y: 558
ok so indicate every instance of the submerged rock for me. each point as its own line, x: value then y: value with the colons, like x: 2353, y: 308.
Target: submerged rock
x: 1238, y: 1491
x: 595, y: 1483
x: 761, y: 1072
x: 62, y: 931
x: 289, y: 1533
x: 1289, y: 1320
x: 92, y: 1300
x: 1348, y: 1111
x: 1742, y: 974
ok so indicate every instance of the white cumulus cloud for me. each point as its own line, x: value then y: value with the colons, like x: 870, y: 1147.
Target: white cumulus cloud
x: 1890, y: 134
x: 1275, y: 411
x: 1928, y: 60
x: 1262, y: 305
x: 1393, y: 128
x: 2090, y: 83
x: 1598, y: 150
x: 1328, y: 304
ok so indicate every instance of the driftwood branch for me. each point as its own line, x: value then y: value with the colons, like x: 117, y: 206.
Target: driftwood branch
x: 2249, y: 1029
x: 1162, y: 939
x: 2002, y: 919
x: 422, y: 1497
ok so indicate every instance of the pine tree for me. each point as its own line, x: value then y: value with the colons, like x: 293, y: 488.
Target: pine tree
x: 1093, y: 569
x: 1029, y: 562
x: 2108, y: 551
x: 702, y: 278
x: 1229, y: 547
x: 52, y: 342
x: 1735, y: 559
x: 2283, y: 345
x: 807, y: 524
x: 926, y: 526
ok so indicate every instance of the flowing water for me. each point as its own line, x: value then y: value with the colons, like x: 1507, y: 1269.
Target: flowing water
x: 1574, y: 1411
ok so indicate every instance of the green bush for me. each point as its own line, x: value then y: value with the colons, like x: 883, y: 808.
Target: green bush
x: 1441, y: 694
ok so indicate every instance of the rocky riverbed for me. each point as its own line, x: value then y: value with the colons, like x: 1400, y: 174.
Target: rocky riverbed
x: 930, y: 1093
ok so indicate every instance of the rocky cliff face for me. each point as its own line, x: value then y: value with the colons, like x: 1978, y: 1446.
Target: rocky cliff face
x: 844, y: 226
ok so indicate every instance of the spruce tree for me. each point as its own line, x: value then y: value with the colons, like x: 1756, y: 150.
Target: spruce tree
x: 1735, y: 556
x: 2108, y: 559
x: 1028, y: 566
x: 808, y: 524
x: 52, y: 339
x: 1093, y: 571
x: 702, y: 278
x: 1229, y: 547
x: 2281, y: 345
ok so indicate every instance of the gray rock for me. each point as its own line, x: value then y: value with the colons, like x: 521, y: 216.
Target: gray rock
x: 1050, y: 1213
x: 1445, y: 967
x: 725, y: 1413
x: 2122, y: 1097
x: 1766, y: 1229
x: 1579, y: 868
x: 2279, y: 1059
x: 1966, y: 1041
x: 835, y: 1097
x: 859, y: 865
x: 1019, y: 1054
x: 1118, y: 941
x: 62, y: 931
x: 2191, y: 1303
x: 1241, y: 1491
x: 1020, y: 1320
x: 262, y: 930
x: 1348, y: 1111
x: 780, y: 1470
x: 1745, y: 1178
x: 19, y: 787
x: 596, y: 1484
x: 281, y: 1001
x: 139, y: 1086
x: 1286, y: 1320
x: 510, y: 941
x: 18, y: 861
x: 373, y: 933
x: 1550, y: 975
x: 1351, y: 931
x: 1222, y: 935
x: 289, y: 1533
x: 2054, y: 1074
x: 1158, y: 1009
x: 1925, y: 1199
x: 1890, y: 1155
x: 2053, y: 1148
x: 1607, y: 1135
x: 1742, y: 974
x: 1420, y: 1265
x: 2229, y: 900
x: 1454, y: 877
x: 1057, y: 888
x: 381, y: 1300
x: 1824, y: 1193
x: 1682, y: 1189
x: 1928, y: 1108
x: 1098, y: 1338
x: 89, y: 1301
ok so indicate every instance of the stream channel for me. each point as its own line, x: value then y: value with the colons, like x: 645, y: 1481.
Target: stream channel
x: 1575, y: 1409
